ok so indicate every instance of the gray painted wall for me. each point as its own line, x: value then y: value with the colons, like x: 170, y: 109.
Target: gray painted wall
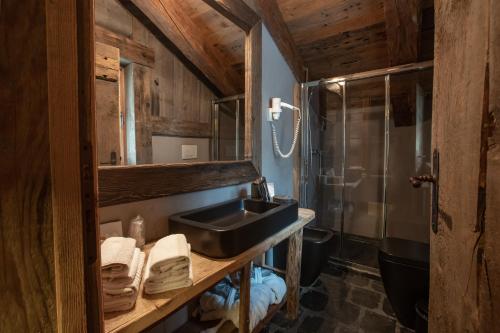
x: 156, y: 211
x: 168, y: 149
x: 277, y: 81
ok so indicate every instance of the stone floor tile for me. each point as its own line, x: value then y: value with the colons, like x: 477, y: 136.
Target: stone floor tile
x: 365, y: 297
x: 310, y: 324
x: 314, y: 300
x: 374, y: 323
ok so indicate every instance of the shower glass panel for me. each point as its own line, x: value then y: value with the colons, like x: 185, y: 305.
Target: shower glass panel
x: 330, y: 154
x: 364, y: 157
x: 408, y: 211
x: 228, y: 142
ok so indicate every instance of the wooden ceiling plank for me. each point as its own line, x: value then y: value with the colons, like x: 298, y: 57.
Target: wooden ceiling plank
x: 236, y: 11
x: 402, y: 18
x: 271, y: 15
x: 318, y: 19
x: 175, y: 29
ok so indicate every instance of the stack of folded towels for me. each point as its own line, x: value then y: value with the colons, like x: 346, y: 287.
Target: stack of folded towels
x: 169, y: 265
x: 121, y: 270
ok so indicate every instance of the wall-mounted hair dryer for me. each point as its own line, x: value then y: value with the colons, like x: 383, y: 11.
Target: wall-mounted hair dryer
x: 273, y: 115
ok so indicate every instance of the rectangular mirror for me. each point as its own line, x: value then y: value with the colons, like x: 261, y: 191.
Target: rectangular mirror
x: 169, y: 83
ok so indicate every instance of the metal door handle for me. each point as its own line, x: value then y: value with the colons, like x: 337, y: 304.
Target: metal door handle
x: 417, y: 181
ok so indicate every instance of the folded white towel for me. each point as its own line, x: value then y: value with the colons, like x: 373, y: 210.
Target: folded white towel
x: 169, y: 265
x: 111, y: 290
x: 121, y: 282
x: 116, y: 256
x: 154, y: 285
x: 169, y: 253
x: 122, y: 303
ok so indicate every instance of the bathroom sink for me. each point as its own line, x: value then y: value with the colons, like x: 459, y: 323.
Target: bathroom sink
x: 229, y: 228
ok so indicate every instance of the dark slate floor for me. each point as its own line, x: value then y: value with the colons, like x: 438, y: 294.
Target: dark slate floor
x: 341, y: 302
x: 356, y: 249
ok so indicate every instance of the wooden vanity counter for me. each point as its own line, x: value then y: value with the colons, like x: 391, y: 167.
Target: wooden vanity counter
x: 150, y: 309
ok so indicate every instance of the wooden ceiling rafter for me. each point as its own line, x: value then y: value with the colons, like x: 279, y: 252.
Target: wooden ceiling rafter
x: 177, y: 31
x: 272, y: 17
x: 236, y: 11
x: 402, y: 24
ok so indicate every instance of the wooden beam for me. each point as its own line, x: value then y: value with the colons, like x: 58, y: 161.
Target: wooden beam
x: 462, y: 267
x: 271, y: 15
x: 173, y: 27
x: 235, y: 11
x: 490, y: 286
x: 43, y: 207
x: 107, y: 62
x: 129, y: 49
x: 244, y: 310
x: 135, y: 183
x: 293, y: 263
x: 253, y: 95
x: 402, y: 22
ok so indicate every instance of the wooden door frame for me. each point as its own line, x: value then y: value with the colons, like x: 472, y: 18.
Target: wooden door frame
x: 50, y: 255
x: 465, y: 261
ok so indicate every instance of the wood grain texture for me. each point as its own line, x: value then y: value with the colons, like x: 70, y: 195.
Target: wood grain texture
x: 142, y: 110
x: 88, y: 162
x: 135, y: 183
x: 456, y: 250
x: 236, y: 11
x: 142, y: 19
x: 293, y: 262
x: 129, y: 49
x: 150, y: 309
x: 41, y: 248
x: 107, y: 62
x: 402, y: 23
x: 244, y: 310
x: 180, y: 29
x: 348, y: 36
x: 274, y: 22
x: 490, y: 288
x: 253, y: 95
x: 108, y: 121
x: 169, y: 99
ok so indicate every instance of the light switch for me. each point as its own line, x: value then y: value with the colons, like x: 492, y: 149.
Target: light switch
x: 189, y: 152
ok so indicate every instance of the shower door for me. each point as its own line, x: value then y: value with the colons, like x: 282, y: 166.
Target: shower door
x: 363, y: 137
x: 228, y: 127
x: 408, y: 212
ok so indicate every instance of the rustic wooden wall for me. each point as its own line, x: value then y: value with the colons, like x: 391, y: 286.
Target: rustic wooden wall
x: 45, y: 173
x: 169, y: 99
x: 464, y: 295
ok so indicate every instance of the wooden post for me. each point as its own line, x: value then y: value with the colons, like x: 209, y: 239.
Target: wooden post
x: 245, y: 298
x: 293, y: 274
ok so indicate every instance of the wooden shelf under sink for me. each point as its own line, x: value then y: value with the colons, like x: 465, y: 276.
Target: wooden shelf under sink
x: 149, y: 309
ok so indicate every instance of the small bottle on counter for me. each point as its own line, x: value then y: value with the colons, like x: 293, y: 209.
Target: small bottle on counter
x: 137, y: 231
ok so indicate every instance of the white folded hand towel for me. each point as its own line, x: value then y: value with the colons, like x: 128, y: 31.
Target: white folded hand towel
x: 169, y: 265
x: 121, y: 282
x: 111, y: 290
x: 116, y: 256
x: 169, y: 252
x: 122, y: 303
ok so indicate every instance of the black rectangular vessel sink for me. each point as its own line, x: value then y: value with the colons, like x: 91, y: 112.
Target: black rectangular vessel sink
x: 229, y: 228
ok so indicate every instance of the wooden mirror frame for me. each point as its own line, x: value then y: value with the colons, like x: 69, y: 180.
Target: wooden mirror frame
x: 123, y: 184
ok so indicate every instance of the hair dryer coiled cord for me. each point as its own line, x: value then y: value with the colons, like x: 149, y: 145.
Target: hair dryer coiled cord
x: 295, y: 137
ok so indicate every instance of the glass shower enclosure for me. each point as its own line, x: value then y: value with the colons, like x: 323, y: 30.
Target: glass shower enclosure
x: 363, y: 136
x: 228, y: 128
